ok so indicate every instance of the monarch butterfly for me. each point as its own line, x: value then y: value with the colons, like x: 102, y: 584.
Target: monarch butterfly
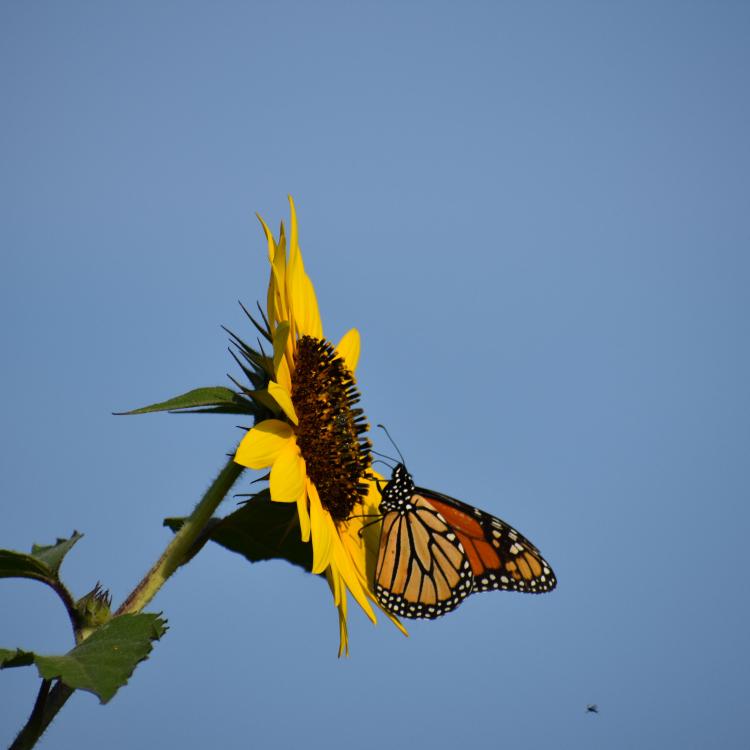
x: 435, y: 551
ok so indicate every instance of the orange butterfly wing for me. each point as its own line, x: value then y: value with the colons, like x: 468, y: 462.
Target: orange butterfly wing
x: 422, y: 569
x: 500, y: 557
x: 436, y: 550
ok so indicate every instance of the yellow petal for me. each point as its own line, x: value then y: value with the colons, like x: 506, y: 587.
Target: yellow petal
x: 339, y: 598
x: 322, y: 529
x: 302, y: 299
x: 282, y: 239
x: 334, y: 581
x: 343, y: 564
x: 280, y: 336
x: 287, y: 475
x: 283, y: 375
x: 269, y: 239
x: 303, y: 511
x: 261, y: 446
x: 305, y: 306
x: 348, y: 349
x: 361, y: 540
x: 283, y: 398
x: 283, y: 355
x: 343, y: 630
x: 278, y: 281
x: 294, y: 234
x: 276, y: 306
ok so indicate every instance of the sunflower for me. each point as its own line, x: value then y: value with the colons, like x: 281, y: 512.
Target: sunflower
x: 315, y: 445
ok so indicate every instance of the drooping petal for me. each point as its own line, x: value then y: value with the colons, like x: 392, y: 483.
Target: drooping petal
x: 303, y: 511
x: 365, y: 578
x: 343, y: 629
x: 344, y: 564
x: 261, y: 445
x: 283, y: 398
x: 348, y: 349
x: 334, y: 582
x: 339, y: 598
x: 323, y: 531
x: 287, y: 475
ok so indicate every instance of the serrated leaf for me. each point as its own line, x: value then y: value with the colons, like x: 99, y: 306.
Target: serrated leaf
x: 103, y: 663
x: 53, y: 554
x: 16, y: 658
x: 43, y: 564
x: 217, y: 396
x: 260, y: 530
x: 19, y: 565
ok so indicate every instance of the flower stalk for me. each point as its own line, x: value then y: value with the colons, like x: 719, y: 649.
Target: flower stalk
x: 178, y: 549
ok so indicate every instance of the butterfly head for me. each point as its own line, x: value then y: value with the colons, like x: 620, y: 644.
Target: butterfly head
x: 398, y: 491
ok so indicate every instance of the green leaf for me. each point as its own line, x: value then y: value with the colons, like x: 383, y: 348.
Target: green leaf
x: 225, y: 401
x: 43, y: 564
x: 18, y: 565
x: 15, y: 658
x: 53, y: 554
x: 103, y: 663
x: 260, y: 530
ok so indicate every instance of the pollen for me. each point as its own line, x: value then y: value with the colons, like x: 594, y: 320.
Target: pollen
x: 331, y: 426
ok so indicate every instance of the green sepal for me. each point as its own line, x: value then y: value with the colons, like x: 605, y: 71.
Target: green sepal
x: 218, y: 399
x: 259, y: 530
x: 102, y: 663
x: 43, y: 564
x: 265, y: 400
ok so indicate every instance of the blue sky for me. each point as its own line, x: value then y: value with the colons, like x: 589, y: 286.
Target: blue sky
x: 537, y: 216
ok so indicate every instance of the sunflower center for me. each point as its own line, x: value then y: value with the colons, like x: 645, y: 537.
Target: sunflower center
x: 329, y: 433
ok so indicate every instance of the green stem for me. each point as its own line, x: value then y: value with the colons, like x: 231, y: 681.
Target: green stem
x: 49, y: 702
x: 28, y: 736
x: 180, y: 546
x: 70, y: 606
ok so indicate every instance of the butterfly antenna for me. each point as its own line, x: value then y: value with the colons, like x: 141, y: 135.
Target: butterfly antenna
x: 393, y: 442
x: 381, y: 461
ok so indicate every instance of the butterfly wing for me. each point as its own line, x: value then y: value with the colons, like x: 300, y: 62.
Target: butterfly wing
x: 500, y: 557
x: 423, y: 570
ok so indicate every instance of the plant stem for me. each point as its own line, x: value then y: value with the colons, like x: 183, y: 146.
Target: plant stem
x: 28, y: 736
x: 49, y: 702
x: 177, y: 550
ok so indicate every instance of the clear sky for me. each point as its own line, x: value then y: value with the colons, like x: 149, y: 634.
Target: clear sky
x: 538, y: 216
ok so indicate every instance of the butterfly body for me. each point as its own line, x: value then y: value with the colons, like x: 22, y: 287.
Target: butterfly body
x: 436, y: 550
